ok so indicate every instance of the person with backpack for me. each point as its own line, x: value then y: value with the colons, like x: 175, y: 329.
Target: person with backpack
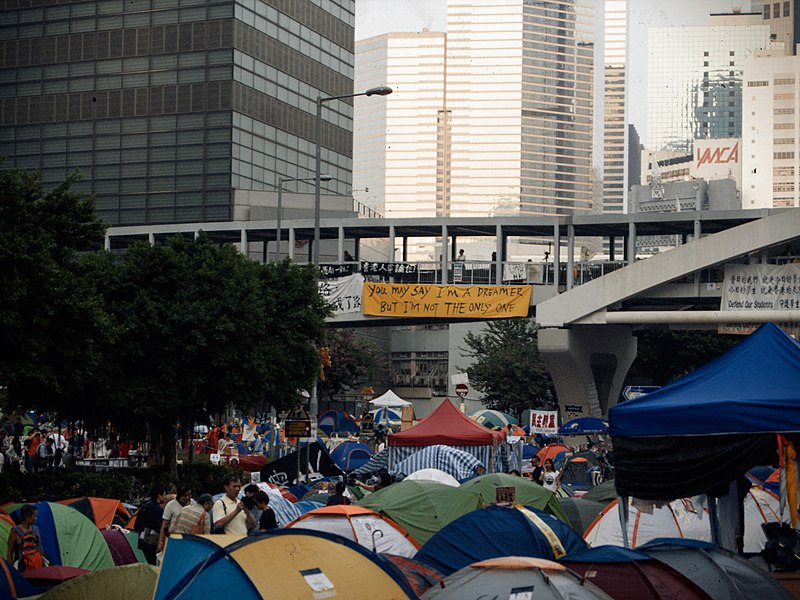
x: 194, y: 517
x: 148, y: 523
x: 25, y: 550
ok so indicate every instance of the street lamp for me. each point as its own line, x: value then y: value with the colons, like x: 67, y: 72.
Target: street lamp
x: 281, y: 181
x: 376, y: 91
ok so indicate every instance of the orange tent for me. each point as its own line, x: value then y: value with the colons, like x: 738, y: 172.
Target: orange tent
x: 102, y: 511
x: 551, y: 451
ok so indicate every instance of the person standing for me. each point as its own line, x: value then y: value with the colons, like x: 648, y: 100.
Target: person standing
x: 267, y: 521
x: 194, y: 517
x: 536, y: 473
x: 230, y: 514
x: 550, y: 479
x: 183, y: 497
x: 148, y: 523
x: 25, y: 550
x: 338, y: 496
x: 461, y: 256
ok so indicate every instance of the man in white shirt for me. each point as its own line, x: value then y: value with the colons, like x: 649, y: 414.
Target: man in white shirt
x: 229, y: 513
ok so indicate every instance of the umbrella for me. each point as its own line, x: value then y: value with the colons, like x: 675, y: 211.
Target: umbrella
x: 53, y: 574
x: 583, y: 425
x: 493, y: 418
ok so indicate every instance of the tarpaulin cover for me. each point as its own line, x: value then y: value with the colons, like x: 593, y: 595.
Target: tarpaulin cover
x: 499, y: 531
x: 455, y: 462
x: 284, y: 470
x: 449, y: 426
x: 710, y: 427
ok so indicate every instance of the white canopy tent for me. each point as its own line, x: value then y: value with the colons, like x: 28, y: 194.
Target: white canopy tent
x: 389, y: 400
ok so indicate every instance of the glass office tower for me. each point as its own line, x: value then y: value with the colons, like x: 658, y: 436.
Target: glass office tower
x: 694, y: 80
x: 614, y: 129
x: 169, y: 106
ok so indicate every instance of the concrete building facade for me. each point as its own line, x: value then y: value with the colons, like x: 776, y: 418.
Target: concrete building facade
x: 614, y: 120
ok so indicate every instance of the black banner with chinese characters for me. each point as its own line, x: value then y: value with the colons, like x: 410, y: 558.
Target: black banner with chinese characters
x: 385, y: 269
x: 332, y: 270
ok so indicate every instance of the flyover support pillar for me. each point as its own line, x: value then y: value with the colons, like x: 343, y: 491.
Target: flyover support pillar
x: 588, y: 364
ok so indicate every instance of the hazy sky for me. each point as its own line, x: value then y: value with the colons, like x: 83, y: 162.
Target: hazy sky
x: 374, y: 17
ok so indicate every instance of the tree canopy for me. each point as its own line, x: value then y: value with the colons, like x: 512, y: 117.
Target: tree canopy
x: 354, y: 361
x: 508, y: 368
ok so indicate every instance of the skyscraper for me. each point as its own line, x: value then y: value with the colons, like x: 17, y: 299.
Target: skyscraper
x: 169, y: 109
x: 782, y: 18
x: 694, y: 79
x: 514, y: 129
x: 614, y: 132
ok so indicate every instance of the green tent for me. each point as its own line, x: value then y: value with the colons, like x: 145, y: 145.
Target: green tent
x: 129, y: 582
x: 68, y: 538
x: 528, y: 493
x: 581, y: 512
x: 422, y: 507
x: 605, y: 492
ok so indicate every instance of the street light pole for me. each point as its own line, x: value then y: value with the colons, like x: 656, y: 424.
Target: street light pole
x: 376, y: 91
x: 281, y: 181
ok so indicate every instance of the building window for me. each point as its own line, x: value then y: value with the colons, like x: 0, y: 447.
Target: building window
x: 731, y: 63
x: 783, y: 171
x: 776, y: 10
x: 783, y: 187
x: 779, y: 141
x: 705, y: 53
x: 786, y: 81
x: 705, y: 63
x: 766, y: 11
x: 782, y: 155
x: 786, y: 9
x: 757, y: 83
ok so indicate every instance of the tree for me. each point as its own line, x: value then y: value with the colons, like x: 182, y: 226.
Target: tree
x: 353, y: 362
x: 664, y: 356
x: 199, y: 327
x: 508, y: 368
x: 52, y: 320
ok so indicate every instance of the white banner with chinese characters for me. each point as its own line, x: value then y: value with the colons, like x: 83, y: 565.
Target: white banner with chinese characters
x: 760, y: 287
x: 344, y: 293
x: 544, y: 421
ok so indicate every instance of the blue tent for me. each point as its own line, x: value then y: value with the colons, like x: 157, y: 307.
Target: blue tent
x: 337, y: 421
x: 498, y: 531
x: 351, y: 455
x: 13, y: 584
x: 708, y: 428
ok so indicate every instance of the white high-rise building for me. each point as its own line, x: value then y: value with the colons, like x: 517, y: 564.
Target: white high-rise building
x: 770, y: 125
x: 504, y: 125
x: 694, y: 79
x: 614, y: 129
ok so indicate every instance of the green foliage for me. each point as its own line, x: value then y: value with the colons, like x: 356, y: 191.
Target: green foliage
x: 354, y: 362
x: 51, y: 318
x: 664, y: 356
x: 508, y: 368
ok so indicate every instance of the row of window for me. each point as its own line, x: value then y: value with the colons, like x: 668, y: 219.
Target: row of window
x: 775, y: 13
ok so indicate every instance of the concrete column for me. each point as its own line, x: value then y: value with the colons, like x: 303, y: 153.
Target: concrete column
x: 392, y: 256
x: 500, y: 248
x: 698, y: 230
x: 340, y: 248
x: 443, y: 259
x: 243, y: 241
x: 151, y: 238
x: 290, y: 252
x: 570, y: 256
x: 631, y: 246
x: 556, y: 255
x: 611, y: 243
x: 588, y: 364
x: 107, y: 243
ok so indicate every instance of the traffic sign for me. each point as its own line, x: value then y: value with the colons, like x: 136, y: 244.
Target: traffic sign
x: 462, y: 389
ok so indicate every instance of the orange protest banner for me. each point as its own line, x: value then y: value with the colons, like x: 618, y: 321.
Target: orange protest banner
x: 446, y: 301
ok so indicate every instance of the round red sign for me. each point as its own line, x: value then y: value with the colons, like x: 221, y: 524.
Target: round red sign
x: 462, y: 389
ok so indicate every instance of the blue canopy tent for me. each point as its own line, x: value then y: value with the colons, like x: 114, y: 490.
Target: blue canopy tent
x: 708, y: 428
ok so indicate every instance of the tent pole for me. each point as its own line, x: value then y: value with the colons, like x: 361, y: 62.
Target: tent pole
x: 622, y: 507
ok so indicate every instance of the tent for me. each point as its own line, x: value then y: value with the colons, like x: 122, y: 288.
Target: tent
x: 337, y: 421
x: 12, y: 584
x: 721, y: 574
x: 551, y: 451
x: 580, y: 512
x: 351, y: 455
x: 528, y: 493
x: 493, y: 418
x: 682, y: 519
x: 361, y: 525
x: 102, y: 511
x: 583, y: 425
x: 433, y: 475
x: 68, y: 538
x: 389, y: 400
x: 380, y: 416
x: 422, y: 507
x: 378, y: 462
x: 122, y: 548
x: 457, y: 463
x: 625, y: 573
x: 448, y: 426
x: 605, y: 492
x: 710, y: 427
x: 577, y: 472
x: 420, y: 577
x: 301, y: 564
x: 516, y: 577
x: 130, y: 582
x: 497, y: 531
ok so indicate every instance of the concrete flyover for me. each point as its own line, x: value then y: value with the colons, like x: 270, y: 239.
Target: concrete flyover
x: 587, y: 331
